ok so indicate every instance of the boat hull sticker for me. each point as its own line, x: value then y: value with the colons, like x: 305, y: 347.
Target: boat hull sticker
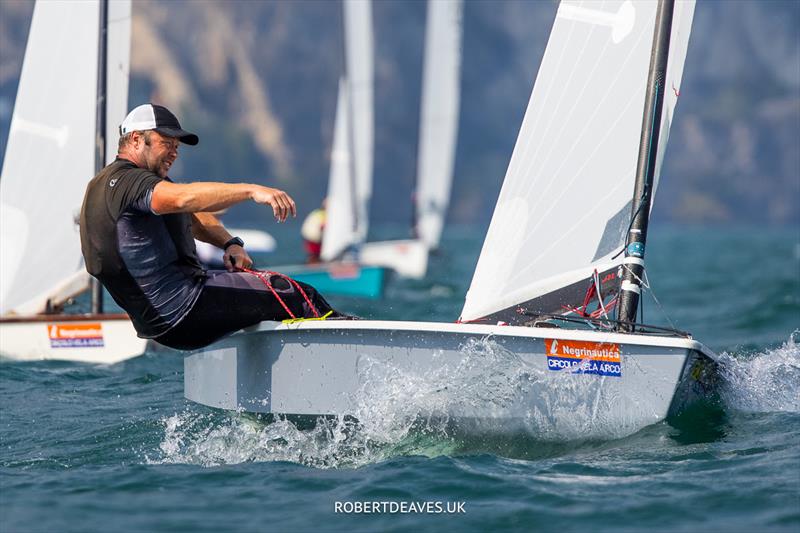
x: 598, y: 358
x: 88, y: 335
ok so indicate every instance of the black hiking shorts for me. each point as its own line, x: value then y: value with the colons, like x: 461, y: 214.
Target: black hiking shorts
x: 231, y: 301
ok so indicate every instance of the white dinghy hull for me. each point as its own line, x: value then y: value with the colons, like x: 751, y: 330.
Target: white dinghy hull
x: 101, y: 339
x: 408, y: 258
x: 498, y: 379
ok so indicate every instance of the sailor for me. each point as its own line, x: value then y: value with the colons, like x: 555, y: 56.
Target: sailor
x: 137, y: 236
x: 312, y: 232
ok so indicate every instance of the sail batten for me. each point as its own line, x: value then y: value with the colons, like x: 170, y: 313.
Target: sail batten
x: 561, y: 213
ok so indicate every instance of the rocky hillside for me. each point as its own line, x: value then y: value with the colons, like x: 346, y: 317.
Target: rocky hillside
x: 257, y: 80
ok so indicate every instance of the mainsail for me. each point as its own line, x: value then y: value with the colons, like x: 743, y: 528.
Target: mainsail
x: 50, y: 155
x: 682, y: 17
x: 118, y: 59
x: 438, y: 117
x: 340, y: 226
x: 350, y: 182
x: 359, y: 66
x: 565, y: 204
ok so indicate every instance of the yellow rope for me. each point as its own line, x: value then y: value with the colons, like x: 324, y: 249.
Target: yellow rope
x: 295, y: 320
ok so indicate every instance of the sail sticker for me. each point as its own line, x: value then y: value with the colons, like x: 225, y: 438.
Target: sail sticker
x: 76, y: 335
x: 578, y: 357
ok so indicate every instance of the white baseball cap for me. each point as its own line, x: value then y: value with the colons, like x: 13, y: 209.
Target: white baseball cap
x: 159, y: 118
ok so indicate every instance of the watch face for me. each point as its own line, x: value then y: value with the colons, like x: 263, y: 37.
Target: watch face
x: 235, y: 240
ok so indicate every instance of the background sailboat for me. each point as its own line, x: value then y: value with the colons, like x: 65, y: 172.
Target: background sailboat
x: 437, y: 144
x: 600, y: 89
x: 72, y: 95
x: 350, y: 182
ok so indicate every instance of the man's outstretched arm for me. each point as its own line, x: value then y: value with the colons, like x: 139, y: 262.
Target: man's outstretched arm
x: 171, y: 197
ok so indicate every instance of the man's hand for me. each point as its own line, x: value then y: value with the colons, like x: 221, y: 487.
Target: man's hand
x: 235, y: 258
x: 282, y: 204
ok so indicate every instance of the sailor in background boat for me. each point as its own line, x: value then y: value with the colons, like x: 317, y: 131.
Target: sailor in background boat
x: 312, y: 231
x: 137, y: 237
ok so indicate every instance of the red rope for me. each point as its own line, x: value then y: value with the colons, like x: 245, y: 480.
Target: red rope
x: 591, y: 292
x: 263, y: 275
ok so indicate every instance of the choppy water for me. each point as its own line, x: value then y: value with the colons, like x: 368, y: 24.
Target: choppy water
x: 90, y: 448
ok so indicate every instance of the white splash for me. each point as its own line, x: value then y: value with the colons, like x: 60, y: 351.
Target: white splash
x: 391, y: 402
x: 763, y: 382
x: 396, y: 412
x: 208, y: 440
x: 453, y: 401
x: 444, y: 411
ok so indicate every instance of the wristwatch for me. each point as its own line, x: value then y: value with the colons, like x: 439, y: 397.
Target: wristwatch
x: 236, y: 240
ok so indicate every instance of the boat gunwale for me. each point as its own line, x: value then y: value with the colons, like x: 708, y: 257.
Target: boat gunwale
x: 103, y: 317
x: 532, y: 332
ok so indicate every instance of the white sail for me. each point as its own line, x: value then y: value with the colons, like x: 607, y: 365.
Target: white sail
x: 565, y: 203
x: 118, y: 60
x: 359, y: 65
x: 340, y: 230
x: 682, y: 17
x: 50, y: 152
x: 50, y: 155
x: 439, y: 117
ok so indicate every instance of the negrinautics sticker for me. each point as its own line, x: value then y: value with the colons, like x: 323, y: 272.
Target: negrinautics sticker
x: 75, y: 335
x: 578, y: 357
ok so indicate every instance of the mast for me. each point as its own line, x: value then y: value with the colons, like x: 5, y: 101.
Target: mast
x: 633, y: 263
x: 100, y: 129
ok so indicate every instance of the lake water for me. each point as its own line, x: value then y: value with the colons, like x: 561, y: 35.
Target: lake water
x: 96, y: 448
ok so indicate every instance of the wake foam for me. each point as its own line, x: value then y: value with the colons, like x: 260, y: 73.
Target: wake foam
x: 762, y: 382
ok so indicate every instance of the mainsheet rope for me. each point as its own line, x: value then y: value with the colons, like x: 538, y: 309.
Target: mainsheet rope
x: 264, y: 276
x: 593, y: 290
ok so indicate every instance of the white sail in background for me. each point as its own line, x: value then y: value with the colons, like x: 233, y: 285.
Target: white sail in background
x: 118, y: 60
x: 50, y: 155
x: 340, y: 230
x: 439, y: 117
x: 565, y: 203
x: 359, y: 67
